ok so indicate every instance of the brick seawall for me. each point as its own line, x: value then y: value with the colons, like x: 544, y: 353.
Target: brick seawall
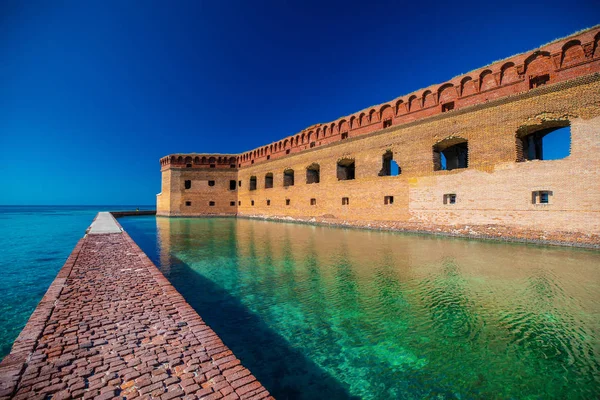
x: 111, y: 326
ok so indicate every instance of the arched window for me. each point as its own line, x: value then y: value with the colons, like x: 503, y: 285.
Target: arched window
x: 313, y: 173
x: 269, y: 180
x: 252, y: 183
x: 389, y: 167
x: 288, y: 177
x: 451, y: 153
x: 345, y: 169
x: 550, y: 141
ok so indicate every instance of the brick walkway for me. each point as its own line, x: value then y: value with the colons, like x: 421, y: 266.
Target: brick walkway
x: 112, y: 326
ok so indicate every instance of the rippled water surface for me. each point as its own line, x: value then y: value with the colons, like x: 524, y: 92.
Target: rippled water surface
x: 35, y: 242
x: 320, y: 312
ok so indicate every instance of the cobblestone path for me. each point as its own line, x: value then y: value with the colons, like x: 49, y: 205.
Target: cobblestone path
x: 112, y: 327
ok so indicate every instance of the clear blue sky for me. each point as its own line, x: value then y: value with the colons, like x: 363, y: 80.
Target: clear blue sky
x: 92, y: 94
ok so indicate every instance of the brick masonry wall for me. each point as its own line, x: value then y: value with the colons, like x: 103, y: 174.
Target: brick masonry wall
x: 495, y: 189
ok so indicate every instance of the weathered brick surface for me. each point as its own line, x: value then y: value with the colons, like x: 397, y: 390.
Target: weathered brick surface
x: 492, y: 106
x: 112, y: 326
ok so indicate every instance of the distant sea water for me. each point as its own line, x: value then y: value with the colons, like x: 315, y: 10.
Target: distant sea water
x: 35, y: 242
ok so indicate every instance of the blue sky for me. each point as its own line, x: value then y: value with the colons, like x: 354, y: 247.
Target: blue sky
x: 92, y: 94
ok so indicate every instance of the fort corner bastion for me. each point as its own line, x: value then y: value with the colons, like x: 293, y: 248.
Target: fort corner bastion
x: 465, y: 157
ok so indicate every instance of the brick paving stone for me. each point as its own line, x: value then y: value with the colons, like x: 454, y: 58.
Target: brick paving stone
x: 112, y: 326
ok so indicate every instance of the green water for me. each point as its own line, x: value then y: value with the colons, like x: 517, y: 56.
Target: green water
x: 320, y: 312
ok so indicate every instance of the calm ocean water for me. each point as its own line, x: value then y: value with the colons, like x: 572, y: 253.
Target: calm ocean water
x: 328, y: 313
x: 35, y: 241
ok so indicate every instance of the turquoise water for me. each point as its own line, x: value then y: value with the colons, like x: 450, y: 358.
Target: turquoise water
x: 318, y: 312
x: 35, y: 241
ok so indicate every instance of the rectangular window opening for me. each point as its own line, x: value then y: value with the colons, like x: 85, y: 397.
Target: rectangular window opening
x: 388, y: 200
x: 213, y: 166
x: 188, y: 203
x: 345, y: 201
x: 450, y: 198
x: 537, y: 81
x: 211, y: 183
x: 232, y: 203
x: 268, y: 157
x: 541, y: 196
x: 344, y: 135
x: 287, y: 202
x: 211, y: 203
x: 232, y: 185
x: 232, y: 166
x: 287, y: 151
x: 188, y: 165
x: 313, y: 202
x: 268, y: 202
x: 252, y: 203
x: 448, y: 106
x: 387, y: 123
x: 188, y: 184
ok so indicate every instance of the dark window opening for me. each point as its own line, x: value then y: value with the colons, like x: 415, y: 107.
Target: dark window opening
x: 345, y: 170
x: 252, y: 203
x: 211, y: 183
x: 239, y: 183
x: 239, y: 165
x: 232, y: 166
x: 551, y: 143
x: 536, y: 81
x: 239, y: 203
x: 213, y: 166
x: 211, y: 203
x: 268, y: 180
x: 252, y: 162
x: 387, y: 123
x: 345, y: 201
x: 313, y: 202
x: 188, y: 184
x: 188, y: 203
x: 252, y: 183
x: 448, y: 106
x: 450, y: 198
x: 287, y: 151
x: 344, y: 135
x: 312, y: 145
x: 451, y: 154
x: 268, y: 202
x: 287, y: 202
x: 232, y: 203
x: 313, y: 173
x: 188, y: 165
x: 388, y: 200
x: 268, y: 157
x: 288, y: 177
x: 389, y: 167
x: 541, y: 197
x: 232, y: 185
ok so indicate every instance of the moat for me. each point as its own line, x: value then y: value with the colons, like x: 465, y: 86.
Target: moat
x: 319, y: 312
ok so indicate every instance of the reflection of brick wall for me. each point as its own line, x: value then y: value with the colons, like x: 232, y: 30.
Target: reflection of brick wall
x: 494, y: 189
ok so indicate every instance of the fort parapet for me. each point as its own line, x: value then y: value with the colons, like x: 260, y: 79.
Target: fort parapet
x: 469, y: 153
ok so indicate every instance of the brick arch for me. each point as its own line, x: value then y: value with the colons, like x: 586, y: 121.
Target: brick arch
x: 400, y: 107
x: 232, y: 160
x: 285, y: 143
x: 413, y: 103
x: 309, y: 137
x: 427, y: 99
x: 196, y: 160
x: 297, y: 140
x: 572, y: 53
x: 538, y: 63
x: 446, y: 93
x: 343, y: 126
x: 180, y: 160
x: 353, y: 122
x: 508, y: 73
x: 386, y: 112
x: 467, y: 86
x: 325, y: 131
x: 486, y: 80
x: 203, y: 160
x: 361, y: 119
x: 332, y: 128
x: 373, y: 116
x: 173, y: 159
x: 596, y: 51
x: 317, y: 133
